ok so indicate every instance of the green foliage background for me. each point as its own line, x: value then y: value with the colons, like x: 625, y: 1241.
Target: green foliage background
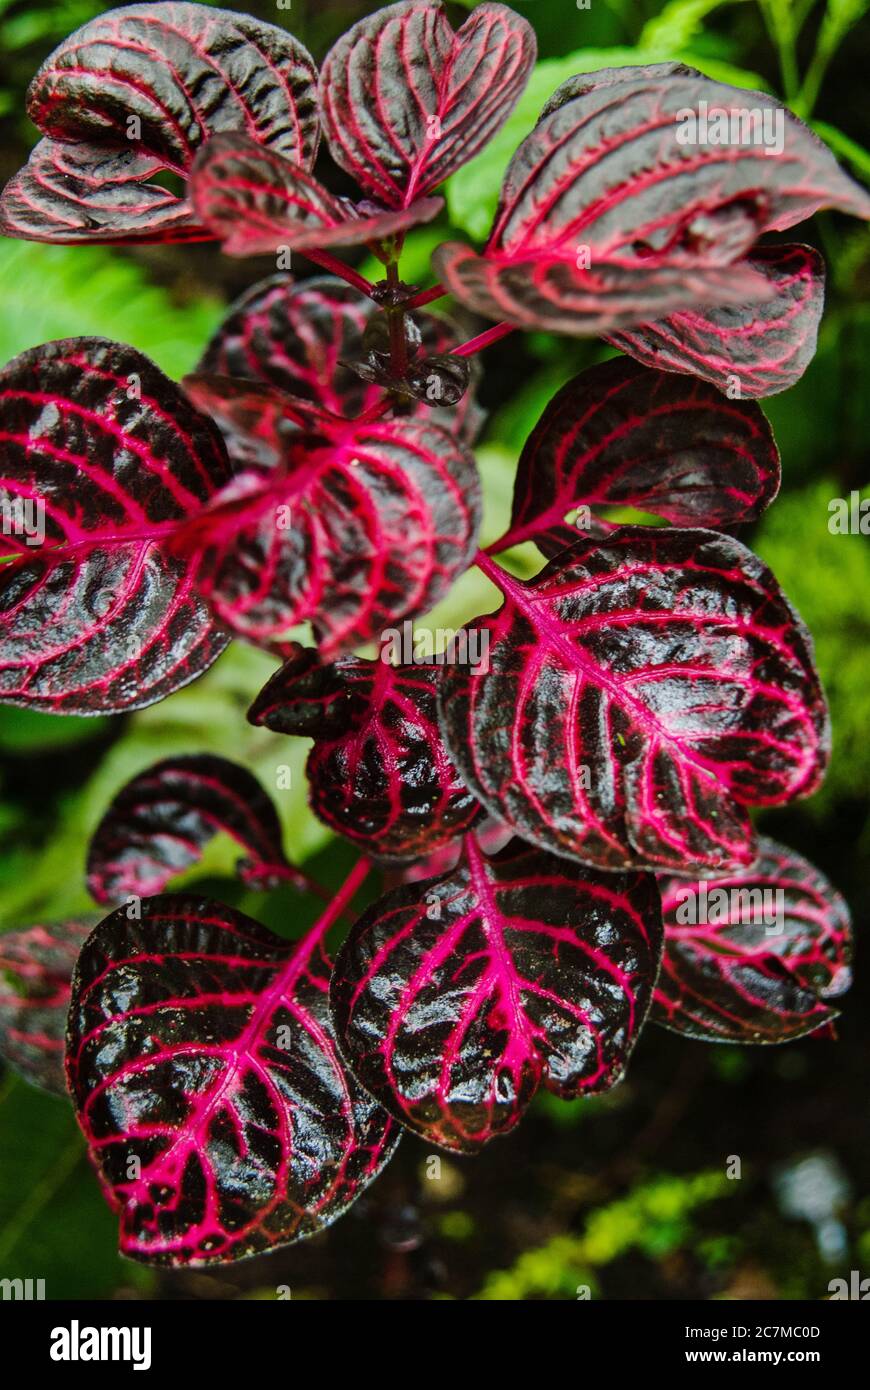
x: 625, y: 1196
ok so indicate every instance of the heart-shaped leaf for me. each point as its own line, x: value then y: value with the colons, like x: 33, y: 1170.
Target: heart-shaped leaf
x: 257, y: 202
x: 406, y: 102
x: 361, y: 526
x: 621, y: 198
x: 102, y: 460
x: 456, y: 998
x: 296, y: 336
x: 622, y: 435
x: 754, y: 957
x: 641, y: 691
x: 307, y: 339
x: 160, y: 822
x: 379, y: 774
x: 36, y: 966
x: 202, y: 1061
x: 750, y: 350
x: 138, y: 90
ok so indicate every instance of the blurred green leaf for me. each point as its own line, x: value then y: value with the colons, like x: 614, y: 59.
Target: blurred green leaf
x: 44, y: 24
x: 827, y: 577
x: 677, y: 24
x: 844, y: 148
x: 826, y: 415
x: 24, y: 730
x: 653, y: 1218
x: 54, y: 1222
x: 69, y: 291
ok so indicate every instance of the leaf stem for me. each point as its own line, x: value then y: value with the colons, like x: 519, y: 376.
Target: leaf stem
x: 483, y: 340
x: 340, y: 903
x: 336, y: 267
x: 492, y: 571
x: 417, y: 301
x: 376, y: 411
x: 396, y: 319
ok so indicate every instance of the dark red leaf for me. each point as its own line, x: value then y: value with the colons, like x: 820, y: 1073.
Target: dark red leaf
x: 36, y: 965
x: 456, y: 998
x: 201, y: 1045
x: 304, y: 339
x: 256, y: 420
x: 160, y: 822
x: 360, y: 526
x: 138, y: 90
x: 406, y: 102
x: 761, y: 349
x: 548, y: 291
x: 257, y: 202
x: 640, y: 693
x: 103, y: 615
x: 378, y: 772
x: 622, y: 435
x: 606, y: 214
x: 70, y: 193
x: 754, y: 957
x: 296, y: 336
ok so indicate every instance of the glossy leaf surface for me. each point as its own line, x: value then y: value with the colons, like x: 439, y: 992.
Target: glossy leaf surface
x: 756, y: 956
x: 360, y: 526
x: 257, y: 202
x: 641, y: 692
x: 137, y: 91
x: 200, y: 1045
x: 756, y: 350
x: 310, y: 339
x: 160, y: 822
x: 104, y: 460
x: 620, y: 201
x: 456, y: 998
x: 406, y: 101
x: 622, y: 434
x: 378, y: 772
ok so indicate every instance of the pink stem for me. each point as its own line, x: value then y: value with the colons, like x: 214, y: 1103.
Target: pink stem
x: 337, y: 267
x: 375, y: 411
x: 341, y: 902
x: 426, y: 297
x: 516, y: 536
x: 491, y: 569
x: 483, y: 340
